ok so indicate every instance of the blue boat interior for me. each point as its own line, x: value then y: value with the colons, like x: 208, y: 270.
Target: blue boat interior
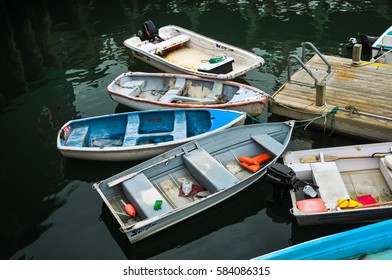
x: 139, y: 128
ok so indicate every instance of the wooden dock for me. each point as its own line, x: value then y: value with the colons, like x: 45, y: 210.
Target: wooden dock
x: 358, y: 98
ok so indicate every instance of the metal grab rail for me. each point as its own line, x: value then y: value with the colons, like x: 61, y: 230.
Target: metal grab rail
x: 303, y: 66
x: 302, y: 62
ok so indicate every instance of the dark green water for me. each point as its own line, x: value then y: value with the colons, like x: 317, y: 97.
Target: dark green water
x: 57, y: 57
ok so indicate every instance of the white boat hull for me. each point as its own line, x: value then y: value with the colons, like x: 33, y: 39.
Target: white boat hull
x: 382, y: 47
x: 194, y: 50
x: 356, y: 176
x: 253, y: 108
x: 147, y: 91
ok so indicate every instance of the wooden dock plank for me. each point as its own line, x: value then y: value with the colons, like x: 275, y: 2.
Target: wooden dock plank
x: 365, y: 89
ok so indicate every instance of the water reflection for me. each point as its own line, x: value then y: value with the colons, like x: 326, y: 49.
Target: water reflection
x: 44, y: 35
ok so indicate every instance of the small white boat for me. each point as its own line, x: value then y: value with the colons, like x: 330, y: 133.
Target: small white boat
x: 382, y: 47
x: 151, y: 91
x: 347, y: 184
x: 178, y: 50
x: 370, y: 242
x: 191, y: 178
x: 140, y: 134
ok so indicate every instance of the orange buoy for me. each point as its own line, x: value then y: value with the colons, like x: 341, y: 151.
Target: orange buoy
x: 131, y: 211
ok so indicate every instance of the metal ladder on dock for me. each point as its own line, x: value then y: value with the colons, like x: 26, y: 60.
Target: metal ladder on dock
x: 319, y: 85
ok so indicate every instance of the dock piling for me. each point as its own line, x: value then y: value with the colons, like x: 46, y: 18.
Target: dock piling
x: 320, y: 93
x: 357, y: 51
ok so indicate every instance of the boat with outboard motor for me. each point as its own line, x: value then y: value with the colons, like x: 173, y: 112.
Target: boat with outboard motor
x: 365, y: 40
x: 337, y: 185
x: 174, y: 49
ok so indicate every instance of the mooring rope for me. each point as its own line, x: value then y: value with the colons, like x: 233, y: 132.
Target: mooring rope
x: 372, y: 61
x: 308, y: 122
x: 253, y: 119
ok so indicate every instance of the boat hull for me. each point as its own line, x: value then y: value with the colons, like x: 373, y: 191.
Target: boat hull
x: 221, y: 175
x: 190, y: 52
x: 147, y: 229
x: 109, y: 129
x: 350, y: 178
x: 382, y: 47
x: 367, y: 242
x: 254, y: 109
x: 154, y: 89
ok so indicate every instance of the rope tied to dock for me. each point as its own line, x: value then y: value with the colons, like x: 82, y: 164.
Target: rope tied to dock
x: 352, y: 110
x: 333, y: 112
x: 373, y: 60
x: 325, y: 115
x: 253, y: 119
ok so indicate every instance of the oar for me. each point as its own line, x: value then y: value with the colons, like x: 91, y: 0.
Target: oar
x: 309, y: 159
x: 369, y: 205
x: 133, y: 174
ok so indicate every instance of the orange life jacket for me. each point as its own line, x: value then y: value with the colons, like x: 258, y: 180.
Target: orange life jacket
x: 253, y: 164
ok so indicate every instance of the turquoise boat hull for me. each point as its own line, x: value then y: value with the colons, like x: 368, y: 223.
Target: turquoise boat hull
x: 373, y: 241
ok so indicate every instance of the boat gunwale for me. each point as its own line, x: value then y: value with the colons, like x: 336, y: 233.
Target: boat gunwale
x: 379, y: 40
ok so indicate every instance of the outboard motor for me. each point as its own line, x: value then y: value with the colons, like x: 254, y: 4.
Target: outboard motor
x: 149, y: 32
x: 284, y: 179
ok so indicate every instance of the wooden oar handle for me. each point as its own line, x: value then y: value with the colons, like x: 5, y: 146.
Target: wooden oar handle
x: 328, y: 158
